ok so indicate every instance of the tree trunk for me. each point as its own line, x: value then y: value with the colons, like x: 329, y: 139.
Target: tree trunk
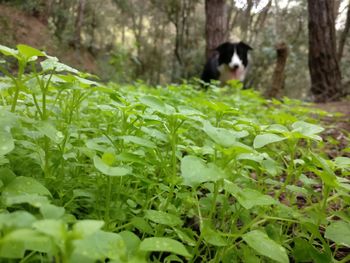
x: 79, y: 23
x: 323, y: 63
x: 216, y: 24
x: 278, y: 77
x: 344, y: 34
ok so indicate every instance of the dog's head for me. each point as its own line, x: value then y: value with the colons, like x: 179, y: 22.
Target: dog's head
x: 233, y: 60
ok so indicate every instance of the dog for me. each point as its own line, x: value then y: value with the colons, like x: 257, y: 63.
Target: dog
x: 229, y: 62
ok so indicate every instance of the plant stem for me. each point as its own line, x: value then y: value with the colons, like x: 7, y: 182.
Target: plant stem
x: 108, y: 201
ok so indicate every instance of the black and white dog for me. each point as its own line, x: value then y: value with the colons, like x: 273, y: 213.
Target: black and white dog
x: 228, y: 63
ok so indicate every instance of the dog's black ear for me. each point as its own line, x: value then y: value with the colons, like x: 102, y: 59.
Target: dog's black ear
x: 246, y: 46
x: 223, y: 47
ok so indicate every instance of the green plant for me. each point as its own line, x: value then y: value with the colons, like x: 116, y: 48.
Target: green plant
x: 131, y: 173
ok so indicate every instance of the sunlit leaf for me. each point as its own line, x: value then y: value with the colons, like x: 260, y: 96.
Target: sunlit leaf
x: 52, y: 63
x: 163, y: 218
x: 100, y: 246
x: 164, y: 244
x: 247, y: 197
x: 211, y: 236
x: 339, y: 232
x: 265, y: 139
x: 194, y: 171
x: 261, y: 243
x: 307, y: 129
x: 14, y: 244
x: 222, y: 136
x: 6, y: 142
x: 29, y: 52
x: 111, y: 170
x: 8, y: 51
x: 50, y: 131
x: 139, y: 141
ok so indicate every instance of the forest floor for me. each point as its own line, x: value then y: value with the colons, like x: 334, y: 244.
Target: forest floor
x: 338, y: 127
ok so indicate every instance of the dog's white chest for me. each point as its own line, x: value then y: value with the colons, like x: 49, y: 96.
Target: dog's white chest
x: 226, y: 73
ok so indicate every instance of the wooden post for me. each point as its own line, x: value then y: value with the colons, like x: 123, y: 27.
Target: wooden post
x: 277, y: 86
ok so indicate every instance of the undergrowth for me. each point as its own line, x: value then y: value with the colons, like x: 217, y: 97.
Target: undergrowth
x: 92, y: 172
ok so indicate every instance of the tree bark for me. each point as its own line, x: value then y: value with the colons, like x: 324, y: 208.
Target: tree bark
x: 277, y: 86
x: 216, y: 24
x: 323, y: 63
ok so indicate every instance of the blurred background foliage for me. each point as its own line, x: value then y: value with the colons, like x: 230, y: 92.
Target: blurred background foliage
x: 162, y: 41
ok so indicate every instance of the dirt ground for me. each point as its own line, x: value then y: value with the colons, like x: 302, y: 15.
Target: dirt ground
x: 337, y: 133
x: 343, y: 107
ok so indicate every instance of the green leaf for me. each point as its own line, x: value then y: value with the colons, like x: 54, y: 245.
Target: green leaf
x: 131, y: 157
x: 157, y: 105
x: 139, y: 141
x: 52, y: 63
x: 53, y: 228
x: 277, y: 128
x: 164, y: 244
x: 194, y: 171
x: 265, y: 139
x: 8, y: 51
x: 7, y: 120
x: 110, y: 170
x: 339, y: 232
x: 307, y: 129
x: 142, y: 225
x: 255, y: 157
x: 131, y: 241
x: 14, y: 244
x: 342, y: 162
x: 327, y: 175
x: 32, y: 199
x: 211, y: 236
x: 6, y: 142
x: 223, y: 136
x: 50, y: 211
x: 17, y: 219
x: 303, y: 251
x: 50, y: 131
x: 247, y: 197
x: 185, y: 236
x: 25, y: 185
x: 163, y: 218
x: 265, y: 246
x: 29, y: 52
x: 87, y: 227
x: 100, y: 246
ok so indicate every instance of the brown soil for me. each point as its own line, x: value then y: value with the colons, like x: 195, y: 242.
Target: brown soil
x: 337, y: 133
x: 341, y: 113
x: 18, y: 27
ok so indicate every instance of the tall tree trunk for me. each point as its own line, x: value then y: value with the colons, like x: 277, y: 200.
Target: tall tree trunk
x: 344, y: 34
x: 216, y: 24
x: 277, y: 86
x: 78, y: 24
x: 323, y: 63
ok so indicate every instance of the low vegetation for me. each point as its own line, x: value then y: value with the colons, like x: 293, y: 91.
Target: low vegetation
x: 92, y: 172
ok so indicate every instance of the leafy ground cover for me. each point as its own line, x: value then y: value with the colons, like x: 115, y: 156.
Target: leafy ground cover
x: 95, y: 173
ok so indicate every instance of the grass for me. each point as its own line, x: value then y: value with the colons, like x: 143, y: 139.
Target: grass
x: 90, y: 172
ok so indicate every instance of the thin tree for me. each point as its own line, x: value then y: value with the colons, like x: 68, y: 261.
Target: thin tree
x: 79, y: 24
x: 323, y: 62
x: 344, y: 34
x: 216, y: 24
